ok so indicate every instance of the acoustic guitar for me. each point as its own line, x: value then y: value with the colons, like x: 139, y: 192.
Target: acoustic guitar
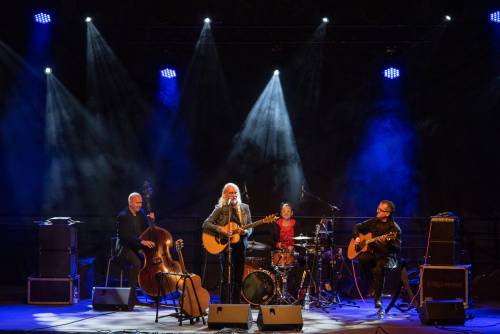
x: 188, y: 287
x: 216, y: 243
x: 354, y: 250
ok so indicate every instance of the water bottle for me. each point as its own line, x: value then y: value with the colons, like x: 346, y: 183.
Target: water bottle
x: 307, y: 301
x: 75, y: 294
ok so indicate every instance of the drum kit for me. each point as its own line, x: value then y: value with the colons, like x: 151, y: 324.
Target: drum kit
x: 293, y: 277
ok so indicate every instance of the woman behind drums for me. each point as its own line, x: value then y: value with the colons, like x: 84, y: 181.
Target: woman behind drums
x: 285, y: 229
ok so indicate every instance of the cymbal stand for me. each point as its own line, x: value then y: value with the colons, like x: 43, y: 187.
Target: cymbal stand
x: 283, y: 296
x: 319, y: 300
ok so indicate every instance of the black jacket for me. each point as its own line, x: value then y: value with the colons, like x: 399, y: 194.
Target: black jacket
x: 129, y: 228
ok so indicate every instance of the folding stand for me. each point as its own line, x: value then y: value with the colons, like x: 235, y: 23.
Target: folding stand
x: 179, y: 312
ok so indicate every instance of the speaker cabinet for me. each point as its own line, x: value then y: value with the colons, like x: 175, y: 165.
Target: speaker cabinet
x: 444, y: 283
x: 57, y: 263
x: 53, y: 290
x: 443, y: 253
x: 107, y: 298
x: 280, y: 317
x: 443, y: 312
x: 229, y: 315
x: 57, y: 237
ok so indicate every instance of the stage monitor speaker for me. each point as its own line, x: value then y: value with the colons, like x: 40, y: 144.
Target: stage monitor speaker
x: 107, y: 298
x: 442, y: 312
x: 280, y: 317
x: 229, y: 315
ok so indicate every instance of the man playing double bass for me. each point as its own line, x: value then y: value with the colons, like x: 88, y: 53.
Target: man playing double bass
x: 382, y: 254
x: 131, y: 222
x: 230, y: 209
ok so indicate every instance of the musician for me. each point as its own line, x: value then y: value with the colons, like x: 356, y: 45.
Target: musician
x: 381, y: 255
x: 285, y: 229
x: 230, y: 209
x: 130, y: 223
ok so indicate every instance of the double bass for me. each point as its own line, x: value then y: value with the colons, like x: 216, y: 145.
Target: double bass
x: 157, y: 259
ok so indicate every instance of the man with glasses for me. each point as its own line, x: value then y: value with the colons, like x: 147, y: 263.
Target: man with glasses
x: 382, y: 254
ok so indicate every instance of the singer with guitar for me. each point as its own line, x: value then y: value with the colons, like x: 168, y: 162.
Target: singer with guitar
x: 380, y: 255
x: 230, y: 209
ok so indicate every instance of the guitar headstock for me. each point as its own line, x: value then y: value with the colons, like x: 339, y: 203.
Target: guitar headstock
x: 179, y: 244
x: 270, y: 219
x: 391, y: 235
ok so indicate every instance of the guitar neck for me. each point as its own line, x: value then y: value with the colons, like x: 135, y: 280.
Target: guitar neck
x: 257, y: 223
x: 376, y: 238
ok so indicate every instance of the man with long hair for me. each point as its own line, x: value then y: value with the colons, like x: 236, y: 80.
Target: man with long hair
x: 230, y: 209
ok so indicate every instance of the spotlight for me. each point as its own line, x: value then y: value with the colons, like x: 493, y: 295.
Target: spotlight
x: 391, y: 73
x: 276, y: 72
x: 447, y: 18
x: 88, y: 19
x: 325, y: 20
x: 495, y: 17
x: 42, y: 18
x: 207, y: 20
x: 168, y: 73
x: 48, y: 70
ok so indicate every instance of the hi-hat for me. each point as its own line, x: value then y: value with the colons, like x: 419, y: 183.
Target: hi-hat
x: 302, y: 237
x: 255, y: 245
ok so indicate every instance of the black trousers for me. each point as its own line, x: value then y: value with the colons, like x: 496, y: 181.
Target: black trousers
x: 238, y: 254
x: 132, y: 262
x: 373, y: 270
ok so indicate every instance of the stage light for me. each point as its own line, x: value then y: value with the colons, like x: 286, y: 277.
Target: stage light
x: 88, y: 19
x: 276, y: 72
x: 325, y: 20
x: 207, y: 20
x: 495, y: 17
x: 168, y: 73
x: 42, y: 18
x: 447, y: 18
x: 48, y: 70
x: 391, y: 73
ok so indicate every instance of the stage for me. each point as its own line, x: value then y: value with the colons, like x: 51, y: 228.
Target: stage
x: 80, y: 317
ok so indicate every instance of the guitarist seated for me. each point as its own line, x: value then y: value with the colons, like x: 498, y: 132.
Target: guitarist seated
x: 230, y: 209
x: 380, y: 255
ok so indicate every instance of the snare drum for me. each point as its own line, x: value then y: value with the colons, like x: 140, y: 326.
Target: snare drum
x: 259, y: 287
x: 283, y: 258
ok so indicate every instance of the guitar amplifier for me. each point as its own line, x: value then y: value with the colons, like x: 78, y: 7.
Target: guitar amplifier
x: 439, y: 283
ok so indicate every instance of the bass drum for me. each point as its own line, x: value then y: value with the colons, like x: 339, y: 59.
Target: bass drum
x: 259, y: 287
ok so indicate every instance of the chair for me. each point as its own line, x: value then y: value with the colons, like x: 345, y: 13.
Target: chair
x: 113, y: 259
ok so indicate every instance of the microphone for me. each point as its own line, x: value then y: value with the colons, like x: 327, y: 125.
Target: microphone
x: 246, y: 192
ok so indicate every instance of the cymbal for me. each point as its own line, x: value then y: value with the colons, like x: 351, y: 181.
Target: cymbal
x: 302, y: 237
x: 255, y: 245
x: 325, y: 232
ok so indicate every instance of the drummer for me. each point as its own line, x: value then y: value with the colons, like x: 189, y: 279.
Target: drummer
x: 286, y: 228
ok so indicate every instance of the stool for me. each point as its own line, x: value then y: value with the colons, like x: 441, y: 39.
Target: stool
x: 403, y: 281
x: 114, y: 259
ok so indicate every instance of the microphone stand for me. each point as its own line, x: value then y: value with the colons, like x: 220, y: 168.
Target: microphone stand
x: 333, y: 208
x: 229, y: 261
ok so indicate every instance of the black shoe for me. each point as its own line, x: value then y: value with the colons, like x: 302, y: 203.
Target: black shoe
x: 378, y: 303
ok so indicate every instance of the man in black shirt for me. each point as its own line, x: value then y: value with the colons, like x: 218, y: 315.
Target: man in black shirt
x: 230, y: 209
x: 382, y: 254
x: 131, y: 222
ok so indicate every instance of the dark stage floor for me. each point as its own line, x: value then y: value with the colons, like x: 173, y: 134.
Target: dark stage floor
x: 483, y: 318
